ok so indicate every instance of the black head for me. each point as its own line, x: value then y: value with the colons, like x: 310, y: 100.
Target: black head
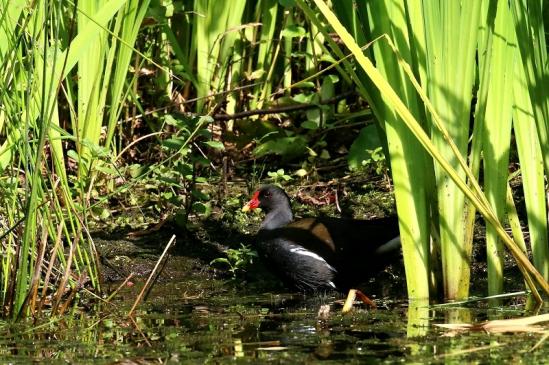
x: 268, y: 198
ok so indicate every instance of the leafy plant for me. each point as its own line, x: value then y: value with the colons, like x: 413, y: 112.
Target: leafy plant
x: 278, y: 175
x: 238, y: 259
x: 376, y: 161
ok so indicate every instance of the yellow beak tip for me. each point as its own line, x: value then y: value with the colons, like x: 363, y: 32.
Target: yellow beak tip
x: 246, y: 208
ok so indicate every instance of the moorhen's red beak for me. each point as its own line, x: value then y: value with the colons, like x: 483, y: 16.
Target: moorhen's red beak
x: 253, y: 203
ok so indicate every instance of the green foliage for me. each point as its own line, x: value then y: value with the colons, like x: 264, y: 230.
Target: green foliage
x: 191, y: 133
x: 278, y: 176
x: 237, y: 259
x: 39, y: 130
x: 284, y: 146
x: 173, y: 184
x: 375, y: 161
x: 112, y: 149
x: 366, y: 151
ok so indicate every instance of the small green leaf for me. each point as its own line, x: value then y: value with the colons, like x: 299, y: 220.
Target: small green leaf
x: 105, y: 213
x: 367, y: 140
x: 215, y: 144
x: 136, y: 170
x: 174, y: 143
x: 293, y: 30
x: 302, y: 98
x: 184, y: 169
x: 72, y: 154
x: 170, y: 120
x: 202, y: 208
x: 105, y: 169
x: 257, y: 74
x: 204, y: 133
x: 205, y: 119
x: 221, y: 260
x: 200, y: 195
x: 305, y: 85
x: 327, y: 89
x: 325, y: 155
x: 287, y: 3
x: 309, y: 124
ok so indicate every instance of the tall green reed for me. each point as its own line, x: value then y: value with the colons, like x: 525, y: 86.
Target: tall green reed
x: 418, y: 41
x: 45, y: 243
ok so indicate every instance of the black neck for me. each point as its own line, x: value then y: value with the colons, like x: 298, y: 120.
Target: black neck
x: 278, y: 217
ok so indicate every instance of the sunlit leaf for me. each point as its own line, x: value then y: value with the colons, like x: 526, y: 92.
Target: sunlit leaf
x: 367, y: 140
x: 215, y: 144
x: 174, y: 143
x: 309, y: 124
x: 293, y: 30
x: 285, y: 146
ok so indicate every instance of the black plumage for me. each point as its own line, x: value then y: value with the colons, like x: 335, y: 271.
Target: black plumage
x: 323, y: 253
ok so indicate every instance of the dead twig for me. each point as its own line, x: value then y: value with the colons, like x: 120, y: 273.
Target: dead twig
x: 160, y: 259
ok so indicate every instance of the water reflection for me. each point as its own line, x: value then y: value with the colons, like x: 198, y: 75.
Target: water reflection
x: 268, y: 327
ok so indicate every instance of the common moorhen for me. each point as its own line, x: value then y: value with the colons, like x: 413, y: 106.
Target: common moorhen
x: 324, y: 253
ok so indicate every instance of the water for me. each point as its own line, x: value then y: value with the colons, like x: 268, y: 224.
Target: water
x: 196, y: 323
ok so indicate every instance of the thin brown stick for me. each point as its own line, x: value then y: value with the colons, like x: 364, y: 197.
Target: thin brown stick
x: 140, y: 296
x: 50, y: 267
x: 66, y: 274
x: 119, y: 287
x: 337, y: 201
x: 72, y: 294
x: 179, y: 104
x: 281, y: 109
x: 37, y: 269
x: 136, y: 326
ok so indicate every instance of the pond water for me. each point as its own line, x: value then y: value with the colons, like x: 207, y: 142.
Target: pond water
x: 187, y: 323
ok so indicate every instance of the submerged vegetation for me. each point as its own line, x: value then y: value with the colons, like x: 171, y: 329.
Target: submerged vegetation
x: 123, y: 114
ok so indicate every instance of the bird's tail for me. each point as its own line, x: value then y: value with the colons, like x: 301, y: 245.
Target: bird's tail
x: 389, y: 246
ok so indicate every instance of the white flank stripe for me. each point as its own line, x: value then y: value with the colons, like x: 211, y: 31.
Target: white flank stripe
x: 305, y: 252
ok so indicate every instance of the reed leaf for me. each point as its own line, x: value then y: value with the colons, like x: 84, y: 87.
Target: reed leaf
x: 532, y: 169
x: 450, y: 78
x: 497, y: 134
x: 213, y: 40
x: 532, y: 106
x: 476, y: 197
x: 409, y: 186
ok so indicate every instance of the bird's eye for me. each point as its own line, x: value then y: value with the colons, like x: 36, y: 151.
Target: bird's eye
x: 267, y: 195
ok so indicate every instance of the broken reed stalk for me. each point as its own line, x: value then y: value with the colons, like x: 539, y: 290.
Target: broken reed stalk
x: 33, y: 288
x: 65, y: 278
x: 109, y: 298
x: 33, y: 292
x: 160, y: 259
x: 524, y: 324
x: 53, y: 258
x: 138, y: 329
x: 74, y: 290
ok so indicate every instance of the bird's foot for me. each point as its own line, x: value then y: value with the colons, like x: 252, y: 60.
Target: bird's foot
x: 353, y: 294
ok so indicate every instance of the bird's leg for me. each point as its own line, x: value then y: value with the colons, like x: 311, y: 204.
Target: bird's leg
x: 354, y: 293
